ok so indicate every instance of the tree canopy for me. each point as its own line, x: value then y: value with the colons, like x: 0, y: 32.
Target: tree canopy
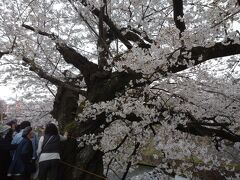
x: 131, y: 74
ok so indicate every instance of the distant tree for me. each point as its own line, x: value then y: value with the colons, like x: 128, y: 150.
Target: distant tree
x: 36, y: 111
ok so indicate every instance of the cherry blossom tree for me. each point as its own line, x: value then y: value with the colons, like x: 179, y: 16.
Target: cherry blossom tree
x: 131, y: 72
x: 37, y: 111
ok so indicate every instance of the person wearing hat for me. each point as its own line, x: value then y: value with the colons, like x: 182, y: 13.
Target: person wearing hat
x: 5, y: 148
x: 22, y: 165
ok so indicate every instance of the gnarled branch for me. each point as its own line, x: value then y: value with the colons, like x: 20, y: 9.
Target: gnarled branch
x: 199, y: 130
x: 110, y: 23
x: 53, y: 80
x: 70, y: 55
x: 178, y: 15
x: 200, y: 54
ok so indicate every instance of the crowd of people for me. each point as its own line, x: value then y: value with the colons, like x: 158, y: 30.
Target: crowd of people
x: 21, y: 148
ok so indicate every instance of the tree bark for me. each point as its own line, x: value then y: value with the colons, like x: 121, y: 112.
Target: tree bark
x: 64, y: 111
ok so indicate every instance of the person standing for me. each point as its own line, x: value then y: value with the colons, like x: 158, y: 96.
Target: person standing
x: 11, y: 133
x: 22, y: 164
x: 49, y: 152
x: 5, y: 148
x: 18, y: 137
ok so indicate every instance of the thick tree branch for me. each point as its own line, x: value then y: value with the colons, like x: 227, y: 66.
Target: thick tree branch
x: 178, y: 15
x: 114, y: 32
x: 110, y: 23
x: 199, y: 130
x: 131, y: 35
x: 200, y: 54
x: 70, y: 55
x: 102, y: 46
x: 53, y: 80
x: 3, y: 53
x: 135, y: 37
x: 197, y: 127
x: 213, y: 129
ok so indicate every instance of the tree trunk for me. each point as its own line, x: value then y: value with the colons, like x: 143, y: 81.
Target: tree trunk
x: 64, y: 111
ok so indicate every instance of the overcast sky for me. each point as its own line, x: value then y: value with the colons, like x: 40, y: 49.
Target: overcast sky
x: 6, y: 93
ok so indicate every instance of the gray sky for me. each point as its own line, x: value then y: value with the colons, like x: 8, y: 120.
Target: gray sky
x: 6, y: 93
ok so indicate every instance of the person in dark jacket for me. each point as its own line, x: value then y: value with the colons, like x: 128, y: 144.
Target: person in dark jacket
x: 18, y: 137
x: 48, y: 150
x: 22, y: 165
x: 11, y: 132
x: 5, y: 148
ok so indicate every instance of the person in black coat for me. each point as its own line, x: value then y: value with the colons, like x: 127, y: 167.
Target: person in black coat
x: 49, y: 153
x: 22, y: 164
x: 5, y: 148
x: 11, y: 132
